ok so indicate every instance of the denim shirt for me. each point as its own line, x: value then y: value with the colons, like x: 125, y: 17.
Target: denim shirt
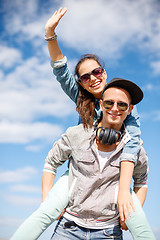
x: 132, y: 123
x: 88, y: 185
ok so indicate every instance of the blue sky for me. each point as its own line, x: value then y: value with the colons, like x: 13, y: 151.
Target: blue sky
x: 34, y: 111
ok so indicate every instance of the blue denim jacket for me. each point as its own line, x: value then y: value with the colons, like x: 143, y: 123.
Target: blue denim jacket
x: 132, y: 123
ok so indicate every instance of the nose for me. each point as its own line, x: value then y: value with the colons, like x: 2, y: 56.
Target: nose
x: 115, y: 108
x: 92, y: 77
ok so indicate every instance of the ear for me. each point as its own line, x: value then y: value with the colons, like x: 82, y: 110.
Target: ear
x: 105, y: 74
x: 101, y: 104
x: 130, y: 109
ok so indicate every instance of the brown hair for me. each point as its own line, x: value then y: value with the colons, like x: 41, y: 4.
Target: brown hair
x: 86, y: 100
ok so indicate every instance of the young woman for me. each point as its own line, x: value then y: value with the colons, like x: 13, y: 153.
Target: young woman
x: 85, y: 92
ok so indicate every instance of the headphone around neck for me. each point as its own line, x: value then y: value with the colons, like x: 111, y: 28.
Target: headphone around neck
x: 107, y: 135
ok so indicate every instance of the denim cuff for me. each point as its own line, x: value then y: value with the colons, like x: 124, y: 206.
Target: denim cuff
x: 128, y: 157
x: 59, y: 63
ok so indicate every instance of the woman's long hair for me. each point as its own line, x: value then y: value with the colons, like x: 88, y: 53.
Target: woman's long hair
x: 86, y: 100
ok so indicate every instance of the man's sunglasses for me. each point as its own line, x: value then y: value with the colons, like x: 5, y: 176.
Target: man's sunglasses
x: 122, y: 106
x: 97, y: 72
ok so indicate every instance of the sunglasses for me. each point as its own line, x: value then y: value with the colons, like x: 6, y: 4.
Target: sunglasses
x: 122, y: 106
x: 97, y: 72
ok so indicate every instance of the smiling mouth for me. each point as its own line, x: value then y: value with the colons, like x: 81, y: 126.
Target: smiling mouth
x: 96, y: 84
x: 114, y: 115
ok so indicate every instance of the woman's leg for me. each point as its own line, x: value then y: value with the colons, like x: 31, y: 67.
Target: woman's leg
x: 138, y: 224
x: 47, y: 213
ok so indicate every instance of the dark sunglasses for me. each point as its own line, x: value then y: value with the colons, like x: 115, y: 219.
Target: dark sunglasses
x: 97, y: 72
x: 122, y: 106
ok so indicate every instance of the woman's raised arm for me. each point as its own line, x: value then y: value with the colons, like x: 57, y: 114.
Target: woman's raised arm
x: 53, y: 47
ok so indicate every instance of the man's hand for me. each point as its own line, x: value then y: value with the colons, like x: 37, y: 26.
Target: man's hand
x: 61, y: 214
x: 125, y: 201
x: 123, y: 225
x: 125, y: 205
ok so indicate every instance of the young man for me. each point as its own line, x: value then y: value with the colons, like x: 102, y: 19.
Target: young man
x: 94, y: 170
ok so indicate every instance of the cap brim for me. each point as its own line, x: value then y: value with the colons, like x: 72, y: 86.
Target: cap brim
x: 135, y: 91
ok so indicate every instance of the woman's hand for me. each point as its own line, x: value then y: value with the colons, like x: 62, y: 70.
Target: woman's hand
x: 53, y: 21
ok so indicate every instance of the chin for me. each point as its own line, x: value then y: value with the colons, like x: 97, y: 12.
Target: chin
x: 114, y: 124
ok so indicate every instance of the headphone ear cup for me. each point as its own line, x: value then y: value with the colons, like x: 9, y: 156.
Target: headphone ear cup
x: 112, y: 137
x: 106, y: 136
x: 100, y: 133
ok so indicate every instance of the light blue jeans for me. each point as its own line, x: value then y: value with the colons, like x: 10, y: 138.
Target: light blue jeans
x: 69, y: 230
x: 57, y: 200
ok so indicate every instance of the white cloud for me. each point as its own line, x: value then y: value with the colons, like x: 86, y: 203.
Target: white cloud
x: 26, y: 19
x: 109, y: 25
x: 27, y: 93
x: 156, y: 115
x: 148, y: 87
x: 151, y: 87
x: 19, y: 132
x: 31, y: 91
x: 25, y: 188
x: 156, y: 67
x: 21, y: 12
x: 153, y: 116
x: 25, y: 191
x: 21, y: 201
x: 9, y: 56
x: 34, y: 147
x: 18, y: 175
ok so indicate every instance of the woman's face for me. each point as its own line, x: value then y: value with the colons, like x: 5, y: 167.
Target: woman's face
x: 96, y: 84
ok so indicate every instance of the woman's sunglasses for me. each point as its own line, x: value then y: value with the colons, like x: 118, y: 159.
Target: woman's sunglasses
x: 97, y: 72
x: 122, y: 106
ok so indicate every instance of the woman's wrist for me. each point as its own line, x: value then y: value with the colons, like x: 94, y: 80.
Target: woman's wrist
x: 49, y: 31
x: 54, y: 37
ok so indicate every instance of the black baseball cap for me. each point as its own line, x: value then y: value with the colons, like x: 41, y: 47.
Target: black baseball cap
x: 135, y: 92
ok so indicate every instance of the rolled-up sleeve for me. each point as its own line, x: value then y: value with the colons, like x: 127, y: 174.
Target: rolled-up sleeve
x: 132, y: 148
x: 140, y: 174
x: 60, y: 152
x: 66, y: 78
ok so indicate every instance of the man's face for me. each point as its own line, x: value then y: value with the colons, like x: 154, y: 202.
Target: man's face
x: 114, y: 116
